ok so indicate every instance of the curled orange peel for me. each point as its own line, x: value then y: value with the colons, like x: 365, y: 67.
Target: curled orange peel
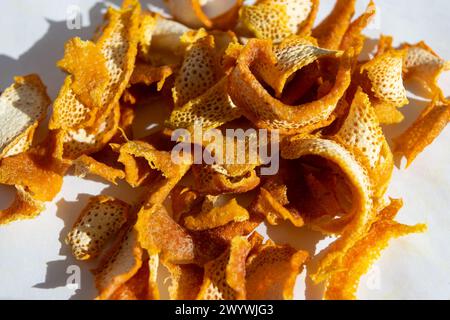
x: 330, y: 32
x: 361, y: 212
x: 213, y: 216
x: 23, y: 106
x: 192, y: 14
x: 343, y: 284
x: 271, y: 271
x: 267, y: 112
x: 427, y: 127
x: 224, y: 277
x: 101, y: 219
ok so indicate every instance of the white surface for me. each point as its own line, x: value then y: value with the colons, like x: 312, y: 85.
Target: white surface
x: 34, y: 262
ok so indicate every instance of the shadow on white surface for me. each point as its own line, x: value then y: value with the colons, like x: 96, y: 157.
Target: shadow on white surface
x: 56, y: 275
x: 42, y: 57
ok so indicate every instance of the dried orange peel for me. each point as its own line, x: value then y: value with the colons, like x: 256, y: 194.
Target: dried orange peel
x: 117, y: 44
x: 192, y: 14
x: 271, y: 271
x: 362, y: 133
x: 278, y: 19
x: 22, y: 108
x: 362, y: 203
x: 99, y: 221
x: 343, y: 284
x: 424, y: 65
x: 267, y: 112
x: 224, y: 277
x: 292, y: 54
x: 23, y: 207
x: 119, y: 264
x: 85, y: 165
x: 424, y: 130
x: 331, y: 31
x: 212, y: 216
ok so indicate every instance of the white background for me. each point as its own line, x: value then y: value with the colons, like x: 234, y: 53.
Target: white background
x: 34, y: 260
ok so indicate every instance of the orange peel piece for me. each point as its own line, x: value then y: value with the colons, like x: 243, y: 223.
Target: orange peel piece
x: 22, y: 107
x: 86, y: 63
x: 157, y: 160
x: 278, y: 19
x: 292, y: 54
x: 271, y: 271
x: 224, y: 277
x: 361, y: 212
x: 35, y: 171
x: 118, y: 45
x: 424, y: 65
x: 160, y: 40
x: 165, y: 237
x: 209, y: 218
x: 119, y: 264
x: 156, y: 229
x: 85, y: 165
x: 142, y: 286
x: 353, y: 37
x: 210, y: 110
x: 148, y: 75
x: 199, y: 71
x: 76, y: 142
x: 100, y: 220
x: 427, y: 127
x: 330, y: 32
x: 385, y: 75
x: 267, y: 112
x: 186, y: 280
x: 209, y: 181
x: 192, y: 13
x: 210, y: 244
x: 267, y: 20
x: 23, y: 207
x: 362, y: 134
x: 267, y: 205
x: 343, y: 284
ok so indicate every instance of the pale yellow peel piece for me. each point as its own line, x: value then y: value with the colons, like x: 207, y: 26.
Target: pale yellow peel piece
x: 76, y: 142
x: 209, y: 111
x: 362, y: 134
x: 424, y: 65
x: 117, y: 43
x: 385, y: 74
x: 22, y: 107
x: 199, y: 72
x: 100, y: 220
x: 292, y: 54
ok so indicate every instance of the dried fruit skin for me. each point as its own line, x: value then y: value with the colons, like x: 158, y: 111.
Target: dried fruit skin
x: 271, y: 271
x: 22, y: 107
x: 423, y: 131
x: 343, y: 284
x: 99, y: 221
